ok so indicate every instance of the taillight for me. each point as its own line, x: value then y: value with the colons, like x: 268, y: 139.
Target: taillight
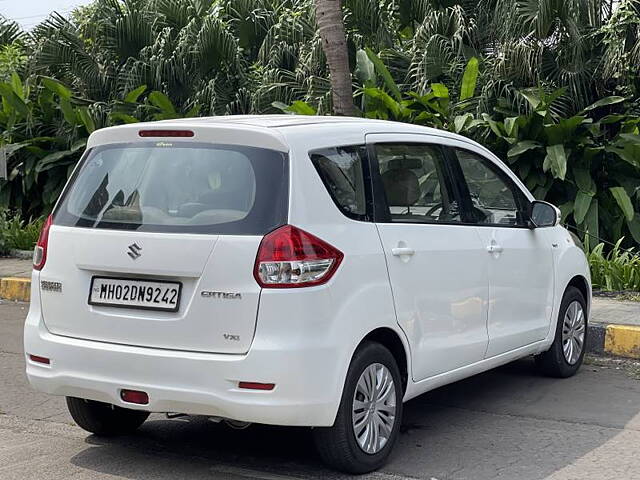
x: 40, y: 252
x: 289, y: 257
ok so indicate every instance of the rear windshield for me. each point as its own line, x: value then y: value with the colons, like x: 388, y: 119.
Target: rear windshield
x: 181, y: 187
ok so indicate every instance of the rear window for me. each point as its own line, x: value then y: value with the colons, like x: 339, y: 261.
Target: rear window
x: 178, y: 187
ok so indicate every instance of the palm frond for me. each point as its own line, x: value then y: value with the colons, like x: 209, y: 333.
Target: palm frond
x: 373, y: 23
x: 61, y: 52
x: 440, y: 47
x: 10, y: 31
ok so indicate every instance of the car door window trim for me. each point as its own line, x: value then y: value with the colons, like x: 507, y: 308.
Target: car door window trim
x: 520, y: 197
x: 382, y: 213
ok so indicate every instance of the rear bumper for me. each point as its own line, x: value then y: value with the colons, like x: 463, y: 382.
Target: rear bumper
x: 306, y: 392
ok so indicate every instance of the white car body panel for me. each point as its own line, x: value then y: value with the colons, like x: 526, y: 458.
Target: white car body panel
x: 300, y: 339
x: 520, y: 287
x: 440, y: 294
x: 199, y: 262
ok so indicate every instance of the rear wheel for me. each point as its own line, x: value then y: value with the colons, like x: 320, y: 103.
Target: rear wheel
x: 370, y: 413
x: 103, y: 418
x: 566, y: 354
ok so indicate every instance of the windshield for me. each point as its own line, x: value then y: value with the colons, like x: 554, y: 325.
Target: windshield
x: 181, y: 187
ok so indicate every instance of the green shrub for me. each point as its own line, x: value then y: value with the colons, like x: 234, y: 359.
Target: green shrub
x: 617, y: 270
x: 17, y: 234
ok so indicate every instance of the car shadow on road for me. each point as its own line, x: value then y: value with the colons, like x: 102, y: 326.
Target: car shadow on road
x: 507, y: 423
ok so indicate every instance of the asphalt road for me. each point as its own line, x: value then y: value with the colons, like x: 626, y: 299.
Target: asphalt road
x: 507, y: 424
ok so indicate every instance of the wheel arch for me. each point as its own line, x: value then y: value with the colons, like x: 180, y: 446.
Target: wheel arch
x: 391, y: 339
x: 582, y: 284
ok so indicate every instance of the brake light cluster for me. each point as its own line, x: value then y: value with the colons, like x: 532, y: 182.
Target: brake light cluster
x: 40, y: 252
x: 289, y: 257
x: 166, y: 133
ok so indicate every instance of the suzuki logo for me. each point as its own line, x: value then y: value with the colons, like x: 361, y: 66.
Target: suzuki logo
x: 134, y: 251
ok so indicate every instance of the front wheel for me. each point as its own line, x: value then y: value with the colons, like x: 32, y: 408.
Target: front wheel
x: 566, y: 354
x: 103, y: 418
x: 369, y: 416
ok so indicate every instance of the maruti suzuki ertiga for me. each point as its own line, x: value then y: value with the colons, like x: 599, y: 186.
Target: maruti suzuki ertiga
x: 310, y: 271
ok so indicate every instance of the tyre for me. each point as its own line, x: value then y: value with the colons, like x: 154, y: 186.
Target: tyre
x: 369, y: 416
x: 566, y: 354
x: 103, y: 418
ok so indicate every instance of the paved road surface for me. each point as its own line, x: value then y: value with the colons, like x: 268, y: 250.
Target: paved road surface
x: 507, y: 424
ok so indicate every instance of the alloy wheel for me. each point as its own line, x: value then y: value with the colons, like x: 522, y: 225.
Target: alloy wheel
x: 374, y: 408
x: 573, y: 332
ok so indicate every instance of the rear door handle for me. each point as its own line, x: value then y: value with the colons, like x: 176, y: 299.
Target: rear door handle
x: 400, y: 251
x: 493, y: 248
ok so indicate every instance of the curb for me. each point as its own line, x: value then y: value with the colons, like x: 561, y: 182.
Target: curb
x: 618, y: 340
x: 623, y: 341
x: 15, y: 288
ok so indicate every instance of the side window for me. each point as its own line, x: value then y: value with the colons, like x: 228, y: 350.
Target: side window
x: 495, y: 199
x: 340, y: 169
x: 416, y: 183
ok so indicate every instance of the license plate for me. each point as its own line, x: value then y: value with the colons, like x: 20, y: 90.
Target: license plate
x: 142, y: 294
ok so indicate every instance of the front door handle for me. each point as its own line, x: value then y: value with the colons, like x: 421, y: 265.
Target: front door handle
x: 400, y: 251
x: 494, y: 248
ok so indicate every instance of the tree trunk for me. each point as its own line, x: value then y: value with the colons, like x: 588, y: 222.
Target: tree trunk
x: 334, y: 43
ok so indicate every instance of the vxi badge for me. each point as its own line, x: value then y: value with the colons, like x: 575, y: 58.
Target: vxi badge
x: 223, y: 295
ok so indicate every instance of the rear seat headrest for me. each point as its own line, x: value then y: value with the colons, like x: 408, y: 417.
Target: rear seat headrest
x: 402, y: 187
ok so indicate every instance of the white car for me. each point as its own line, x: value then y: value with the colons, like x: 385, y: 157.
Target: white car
x: 309, y: 271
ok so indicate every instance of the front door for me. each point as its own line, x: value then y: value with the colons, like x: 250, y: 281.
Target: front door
x: 438, y: 267
x: 520, y: 259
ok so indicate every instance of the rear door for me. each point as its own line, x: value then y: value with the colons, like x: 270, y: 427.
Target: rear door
x: 153, y: 244
x: 521, y: 278
x: 437, y: 266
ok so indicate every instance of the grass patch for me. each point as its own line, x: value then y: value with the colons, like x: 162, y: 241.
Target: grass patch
x: 617, y: 270
x: 628, y: 297
x: 628, y: 366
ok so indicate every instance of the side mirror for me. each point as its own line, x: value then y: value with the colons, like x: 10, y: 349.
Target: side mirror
x: 543, y: 214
